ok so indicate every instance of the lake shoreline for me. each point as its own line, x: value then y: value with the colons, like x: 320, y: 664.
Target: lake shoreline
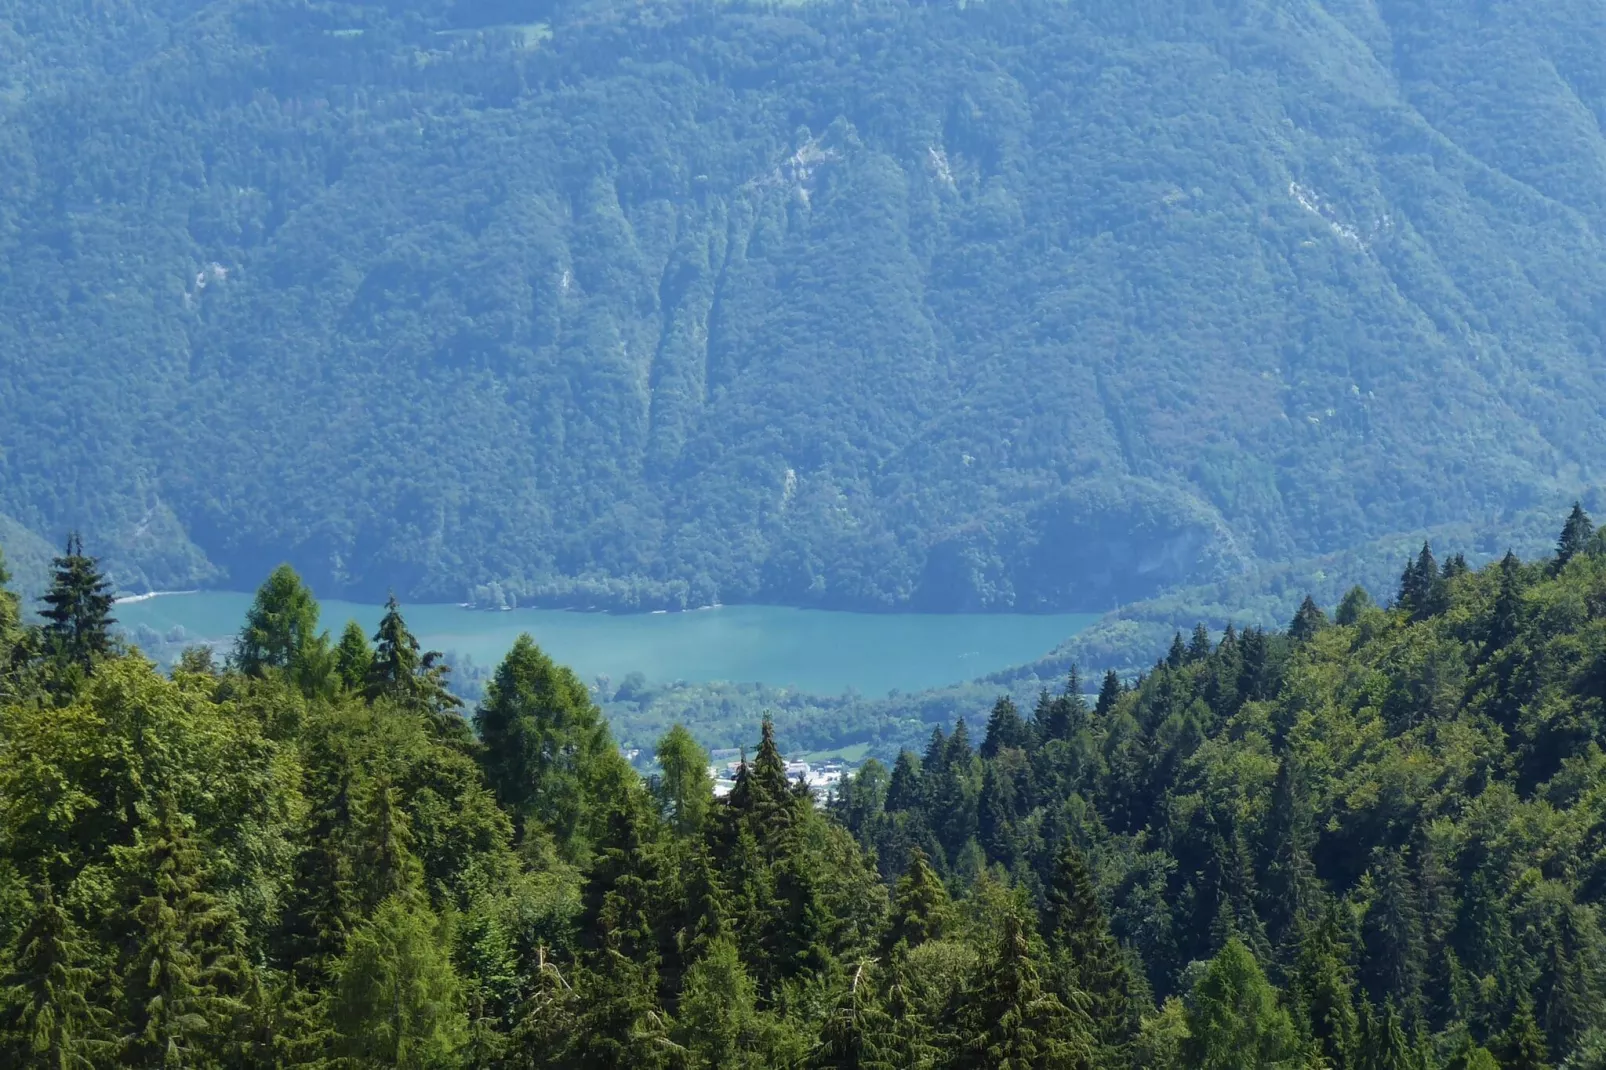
x: 824, y: 652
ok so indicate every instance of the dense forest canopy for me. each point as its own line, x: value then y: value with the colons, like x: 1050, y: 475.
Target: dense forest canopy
x: 1375, y: 840
x: 1017, y: 304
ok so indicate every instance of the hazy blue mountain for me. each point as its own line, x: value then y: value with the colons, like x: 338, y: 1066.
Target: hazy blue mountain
x: 1019, y: 304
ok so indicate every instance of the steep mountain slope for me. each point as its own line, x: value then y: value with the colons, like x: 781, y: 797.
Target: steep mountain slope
x: 1022, y: 305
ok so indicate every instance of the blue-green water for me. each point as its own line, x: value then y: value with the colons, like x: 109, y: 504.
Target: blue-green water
x: 814, y: 650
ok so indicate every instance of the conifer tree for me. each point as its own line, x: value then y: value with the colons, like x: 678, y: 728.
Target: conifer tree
x: 996, y: 811
x: 324, y: 904
x: 685, y: 791
x: 398, y: 1001
x: 1199, y: 646
x: 10, y: 614
x: 1355, y: 602
x: 858, y: 1034
x: 1109, y: 695
x: 1468, y: 1055
x: 1321, y: 992
x: 1290, y: 886
x: 1522, y: 1046
x: 1383, y: 1043
x: 1013, y: 1021
x: 384, y: 866
x: 761, y: 799
x: 548, y: 1020
x: 1005, y: 729
x: 1177, y: 656
x: 393, y: 667
x: 1084, y: 955
x: 78, y: 608
x: 1308, y: 620
x: 862, y: 797
x: 353, y: 659
x: 1234, y: 1022
x: 903, y: 791
x: 621, y: 1023
x: 921, y: 908
x: 717, y: 1021
x: 52, y: 1018
x: 1421, y: 586
x: 1392, y: 931
x: 1506, y: 620
x: 1574, y: 539
x: 281, y: 634
x: 547, y: 752
x: 182, y: 972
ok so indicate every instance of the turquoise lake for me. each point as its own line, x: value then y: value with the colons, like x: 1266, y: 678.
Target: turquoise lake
x: 815, y: 650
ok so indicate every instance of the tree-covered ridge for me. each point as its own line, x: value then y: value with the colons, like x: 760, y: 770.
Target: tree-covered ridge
x: 1024, y: 304
x: 1376, y: 840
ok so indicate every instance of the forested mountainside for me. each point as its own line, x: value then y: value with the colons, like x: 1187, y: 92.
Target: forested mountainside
x: 1371, y: 841
x: 1006, y: 305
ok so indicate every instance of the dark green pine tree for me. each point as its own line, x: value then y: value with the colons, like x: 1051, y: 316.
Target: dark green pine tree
x: 997, y: 809
x: 1321, y: 992
x: 1455, y: 566
x: 1013, y: 1022
x: 1199, y: 645
x: 324, y: 905
x: 1383, y: 1043
x: 1177, y: 656
x: 1109, y: 695
x: 353, y: 659
x: 936, y: 757
x: 384, y: 865
x: 78, y: 608
x: 1290, y: 889
x: 858, y: 1033
x: 393, y: 668
x: 762, y: 801
x: 1574, y: 538
x: 953, y: 794
x: 1392, y: 933
x: 548, y: 1022
x: 182, y: 972
x: 1085, y: 959
x: 1355, y: 602
x: 904, y: 791
x: 1506, y: 621
x: 621, y: 1023
x: 625, y: 890
x: 416, y: 680
x: 1421, y: 586
x: 52, y: 1017
x: 1308, y: 620
x: 1005, y: 729
x: 921, y: 907
x: 1522, y: 1046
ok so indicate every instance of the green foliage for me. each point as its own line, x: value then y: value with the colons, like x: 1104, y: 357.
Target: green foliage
x: 397, y: 1001
x: 657, y: 310
x: 281, y: 634
x: 1233, y: 1017
x: 1373, y: 846
x: 548, y: 753
x: 78, y: 609
x: 685, y: 791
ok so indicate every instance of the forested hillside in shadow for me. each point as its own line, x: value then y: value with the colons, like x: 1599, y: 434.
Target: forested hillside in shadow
x: 1018, y: 305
